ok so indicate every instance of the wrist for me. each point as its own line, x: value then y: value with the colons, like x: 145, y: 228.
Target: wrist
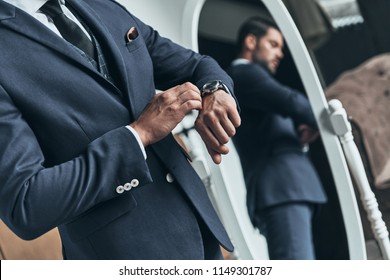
x: 140, y: 133
x: 138, y: 138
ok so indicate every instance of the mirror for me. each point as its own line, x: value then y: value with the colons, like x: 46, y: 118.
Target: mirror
x: 312, y: 66
x: 352, y: 62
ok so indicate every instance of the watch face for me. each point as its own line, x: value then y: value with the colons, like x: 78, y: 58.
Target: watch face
x: 212, y: 86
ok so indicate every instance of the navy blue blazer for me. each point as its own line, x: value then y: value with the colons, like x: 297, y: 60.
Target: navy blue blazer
x: 64, y: 147
x: 275, y: 168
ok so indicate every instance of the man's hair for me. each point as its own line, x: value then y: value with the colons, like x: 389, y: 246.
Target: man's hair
x: 256, y: 26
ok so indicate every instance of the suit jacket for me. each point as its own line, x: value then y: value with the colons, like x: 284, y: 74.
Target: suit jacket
x: 275, y: 168
x: 64, y: 148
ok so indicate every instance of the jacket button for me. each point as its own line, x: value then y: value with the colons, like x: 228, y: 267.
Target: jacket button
x: 127, y: 186
x: 169, y: 178
x: 134, y: 183
x: 120, y: 189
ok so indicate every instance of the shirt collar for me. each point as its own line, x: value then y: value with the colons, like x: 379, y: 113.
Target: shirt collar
x: 239, y: 61
x: 29, y: 6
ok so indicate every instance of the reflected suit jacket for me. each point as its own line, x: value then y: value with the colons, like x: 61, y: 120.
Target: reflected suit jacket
x: 64, y: 148
x: 275, y: 168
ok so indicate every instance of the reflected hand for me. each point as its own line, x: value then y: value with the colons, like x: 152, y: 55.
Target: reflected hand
x: 165, y: 111
x: 307, y: 134
x: 217, y: 123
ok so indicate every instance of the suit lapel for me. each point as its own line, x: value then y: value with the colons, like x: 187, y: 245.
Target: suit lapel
x: 25, y: 25
x: 22, y: 23
x: 105, y: 39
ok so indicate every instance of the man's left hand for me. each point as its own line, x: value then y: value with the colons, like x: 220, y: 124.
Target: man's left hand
x: 217, y: 123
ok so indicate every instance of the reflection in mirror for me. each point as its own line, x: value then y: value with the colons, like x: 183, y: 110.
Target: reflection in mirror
x: 218, y: 25
x: 352, y: 63
x: 332, y: 31
x: 275, y: 177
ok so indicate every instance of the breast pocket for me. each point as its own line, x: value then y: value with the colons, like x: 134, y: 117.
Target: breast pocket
x: 134, y: 44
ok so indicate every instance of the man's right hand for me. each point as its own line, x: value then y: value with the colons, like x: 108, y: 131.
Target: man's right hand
x: 307, y: 134
x: 165, y: 111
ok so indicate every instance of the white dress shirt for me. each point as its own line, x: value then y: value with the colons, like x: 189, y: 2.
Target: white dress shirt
x: 32, y: 8
x: 239, y: 61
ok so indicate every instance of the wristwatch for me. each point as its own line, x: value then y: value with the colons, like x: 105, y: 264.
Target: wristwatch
x: 213, y: 86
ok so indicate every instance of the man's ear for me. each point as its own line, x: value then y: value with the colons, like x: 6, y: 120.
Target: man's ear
x: 250, y: 42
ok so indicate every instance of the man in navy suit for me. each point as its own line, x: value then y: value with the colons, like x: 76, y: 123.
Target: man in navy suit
x: 283, y: 190
x: 86, y: 143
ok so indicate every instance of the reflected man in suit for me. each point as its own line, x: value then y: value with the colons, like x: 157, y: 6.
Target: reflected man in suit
x: 283, y: 189
x: 86, y: 143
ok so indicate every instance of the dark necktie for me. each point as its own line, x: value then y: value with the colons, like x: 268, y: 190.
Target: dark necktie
x: 69, y: 30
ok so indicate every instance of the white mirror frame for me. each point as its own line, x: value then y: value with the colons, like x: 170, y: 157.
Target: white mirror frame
x: 337, y: 161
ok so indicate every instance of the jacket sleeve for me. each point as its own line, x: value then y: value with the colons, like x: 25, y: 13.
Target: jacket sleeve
x: 174, y: 64
x: 260, y: 91
x: 34, y: 199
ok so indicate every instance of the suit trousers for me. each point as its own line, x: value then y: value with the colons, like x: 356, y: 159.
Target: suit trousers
x: 287, y: 228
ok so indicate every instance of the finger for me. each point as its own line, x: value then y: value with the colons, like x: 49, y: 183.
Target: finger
x: 216, y: 157
x: 189, y: 87
x: 218, y: 123
x: 189, y: 95
x: 234, y: 117
x: 172, y: 94
x: 190, y: 105
x: 179, y: 100
x: 228, y: 126
x: 232, y: 112
x: 219, y: 132
x: 213, y: 126
x: 209, y: 138
x: 188, y: 101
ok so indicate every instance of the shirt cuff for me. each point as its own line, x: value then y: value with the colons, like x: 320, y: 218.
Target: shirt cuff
x: 138, y: 139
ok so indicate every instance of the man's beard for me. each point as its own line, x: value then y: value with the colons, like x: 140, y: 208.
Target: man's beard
x: 265, y: 66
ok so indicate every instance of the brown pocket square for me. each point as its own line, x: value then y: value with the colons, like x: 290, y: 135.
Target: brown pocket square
x: 132, y: 34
